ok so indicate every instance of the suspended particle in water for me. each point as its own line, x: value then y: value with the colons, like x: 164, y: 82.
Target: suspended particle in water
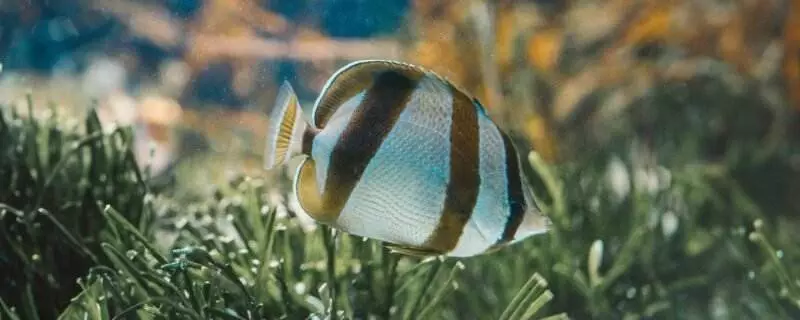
x: 779, y: 254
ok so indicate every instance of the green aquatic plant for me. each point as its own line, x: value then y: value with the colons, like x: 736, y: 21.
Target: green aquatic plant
x: 235, y: 257
x: 52, y: 175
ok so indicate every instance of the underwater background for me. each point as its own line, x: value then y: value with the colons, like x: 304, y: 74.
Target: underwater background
x: 663, y: 140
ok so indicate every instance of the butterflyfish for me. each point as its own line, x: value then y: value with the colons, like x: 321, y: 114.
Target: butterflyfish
x: 394, y: 152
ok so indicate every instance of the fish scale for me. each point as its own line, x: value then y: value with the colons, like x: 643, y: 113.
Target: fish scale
x: 417, y: 191
x: 491, y: 212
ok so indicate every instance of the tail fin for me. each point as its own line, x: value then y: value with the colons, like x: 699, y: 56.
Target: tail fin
x: 534, y: 221
x: 286, y: 128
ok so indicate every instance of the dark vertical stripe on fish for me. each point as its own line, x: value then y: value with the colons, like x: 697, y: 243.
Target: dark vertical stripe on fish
x: 368, y: 127
x: 462, y: 189
x: 516, y: 197
x: 308, y: 140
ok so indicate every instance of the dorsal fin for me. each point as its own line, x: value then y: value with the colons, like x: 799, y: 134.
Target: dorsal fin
x: 352, y: 79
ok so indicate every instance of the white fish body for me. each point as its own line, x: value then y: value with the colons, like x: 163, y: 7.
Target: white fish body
x: 398, y: 154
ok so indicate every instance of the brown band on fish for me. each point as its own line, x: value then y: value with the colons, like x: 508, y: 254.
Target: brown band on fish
x: 516, y: 197
x: 308, y: 140
x: 350, y: 82
x: 462, y: 189
x: 369, y: 126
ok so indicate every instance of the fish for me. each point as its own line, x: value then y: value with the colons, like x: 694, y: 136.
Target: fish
x: 394, y: 152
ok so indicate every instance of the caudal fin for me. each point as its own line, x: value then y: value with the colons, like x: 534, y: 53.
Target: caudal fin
x: 534, y: 221
x: 286, y: 128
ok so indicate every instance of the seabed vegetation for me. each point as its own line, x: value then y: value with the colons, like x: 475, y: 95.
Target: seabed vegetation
x: 85, y: 236
x: 664, y: 149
